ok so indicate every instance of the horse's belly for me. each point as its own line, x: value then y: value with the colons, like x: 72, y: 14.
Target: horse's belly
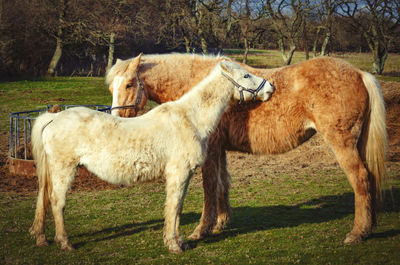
x: 266, y: 129
x: 118, y: 170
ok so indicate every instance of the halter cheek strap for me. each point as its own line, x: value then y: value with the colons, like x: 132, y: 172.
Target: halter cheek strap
x: 138, y: 99
x: 254, y: 92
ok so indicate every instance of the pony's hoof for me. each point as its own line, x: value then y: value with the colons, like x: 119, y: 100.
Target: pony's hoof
x: 175, y: 249
x: 353, y: 239
x: 67, y: 247
x: 194, y: 236
x: 41, y: 241
x: 218, y: 228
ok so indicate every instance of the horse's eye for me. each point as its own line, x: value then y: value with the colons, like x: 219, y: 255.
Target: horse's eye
x: 246, y: 76
x: 129, y: 85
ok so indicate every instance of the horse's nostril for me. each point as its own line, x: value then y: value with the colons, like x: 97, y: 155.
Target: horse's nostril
x: 272, y: 87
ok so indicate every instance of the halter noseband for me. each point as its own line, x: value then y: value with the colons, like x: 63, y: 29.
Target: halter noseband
x: 254, y: 92
x: 138, y: 99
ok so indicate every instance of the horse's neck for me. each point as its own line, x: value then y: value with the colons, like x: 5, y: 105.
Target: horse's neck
x: 207, y: 102
x: 171, y: 79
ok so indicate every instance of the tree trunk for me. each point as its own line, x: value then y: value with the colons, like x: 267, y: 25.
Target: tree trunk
x: 379, y: 62
x: 289, y: 57
x: 305, y: 40
x: 203, y: 42
x: 379, y: 51
x: 111, y: 49
x: 316, y: 42
x: 59, y: 46
x: 245, y: 24
x: 56, y: 57
x: 246, y: 50
x: 326, y: 42
x: 229, y: 20
x: 187, y: 44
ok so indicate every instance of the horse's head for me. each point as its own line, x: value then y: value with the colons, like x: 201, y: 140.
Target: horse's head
x: 126, y: 87
x: 248, y: 86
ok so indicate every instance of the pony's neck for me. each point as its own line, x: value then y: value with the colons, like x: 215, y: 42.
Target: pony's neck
x: 168, y: 78
x: 207, y: 102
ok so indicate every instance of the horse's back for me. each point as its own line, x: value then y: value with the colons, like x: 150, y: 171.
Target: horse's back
x: 107, y: 146
x: 323, y: 94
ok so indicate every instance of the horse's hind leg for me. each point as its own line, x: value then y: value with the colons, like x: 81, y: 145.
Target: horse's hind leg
x: 223, y: 207
x: 37, y: 228
x: 61, y: 181
x: 210, y: 184
x: 349, y: 159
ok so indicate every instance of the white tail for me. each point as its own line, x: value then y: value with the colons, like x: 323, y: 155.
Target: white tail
x: 375, y: 139
x: 42, y: 171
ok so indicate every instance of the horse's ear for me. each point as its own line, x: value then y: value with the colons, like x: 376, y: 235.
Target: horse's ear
x: 226, y: 66
x: 137, y: 58
x: 134, y: 64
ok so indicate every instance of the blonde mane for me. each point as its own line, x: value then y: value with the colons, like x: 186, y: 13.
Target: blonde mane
x: 120, y: 67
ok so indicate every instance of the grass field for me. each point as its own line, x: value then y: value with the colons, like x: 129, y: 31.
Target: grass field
x: 282, y: 219
x: 297, y: 218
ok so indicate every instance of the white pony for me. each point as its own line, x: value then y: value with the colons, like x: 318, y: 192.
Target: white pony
x: 170, y: 141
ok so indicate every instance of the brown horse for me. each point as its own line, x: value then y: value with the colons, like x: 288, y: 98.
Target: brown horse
x: 327, y: 95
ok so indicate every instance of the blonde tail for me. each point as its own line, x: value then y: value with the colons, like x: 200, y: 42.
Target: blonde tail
x: 375, y: 136
x: 42, y: 171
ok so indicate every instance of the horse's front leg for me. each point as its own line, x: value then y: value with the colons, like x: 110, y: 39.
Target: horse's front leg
x: 176, y: 186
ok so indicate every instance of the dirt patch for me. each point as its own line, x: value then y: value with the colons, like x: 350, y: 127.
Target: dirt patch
x: 312, y: 155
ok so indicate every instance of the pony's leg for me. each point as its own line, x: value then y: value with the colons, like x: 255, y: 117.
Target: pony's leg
x: 224, y: 210
x: 61, y: 182
x: 176, y: 184
x: 37, y: 228
x: 349, y: 159
x: 210, y: 183
x: 179, y: 238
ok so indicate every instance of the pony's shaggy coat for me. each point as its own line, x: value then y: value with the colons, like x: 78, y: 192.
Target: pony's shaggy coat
x: 327, y: 95
x: 169, y: 141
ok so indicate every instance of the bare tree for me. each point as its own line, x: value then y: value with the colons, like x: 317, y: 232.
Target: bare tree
x: 110, y: 21
x: 325, y: 12
x: 245, y: 24
x: 58, y: 34
x: 287, y: 18
x: 377, y: 21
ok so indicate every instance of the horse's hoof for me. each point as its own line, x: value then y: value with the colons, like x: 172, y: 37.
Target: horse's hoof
x: 194, y: 236
x: 42, y: 243
x: 218, y: 228
x: 67, y: 247
x: 175, y: 249
x: 352, y: 239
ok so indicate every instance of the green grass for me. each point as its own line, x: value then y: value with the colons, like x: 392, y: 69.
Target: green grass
x: 273, y: 58
x: 298, y: 219
x: 31, y: 95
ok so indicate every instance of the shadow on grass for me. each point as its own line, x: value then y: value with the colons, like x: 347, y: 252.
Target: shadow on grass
x: 323, y: 209
x: 250, y: 219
